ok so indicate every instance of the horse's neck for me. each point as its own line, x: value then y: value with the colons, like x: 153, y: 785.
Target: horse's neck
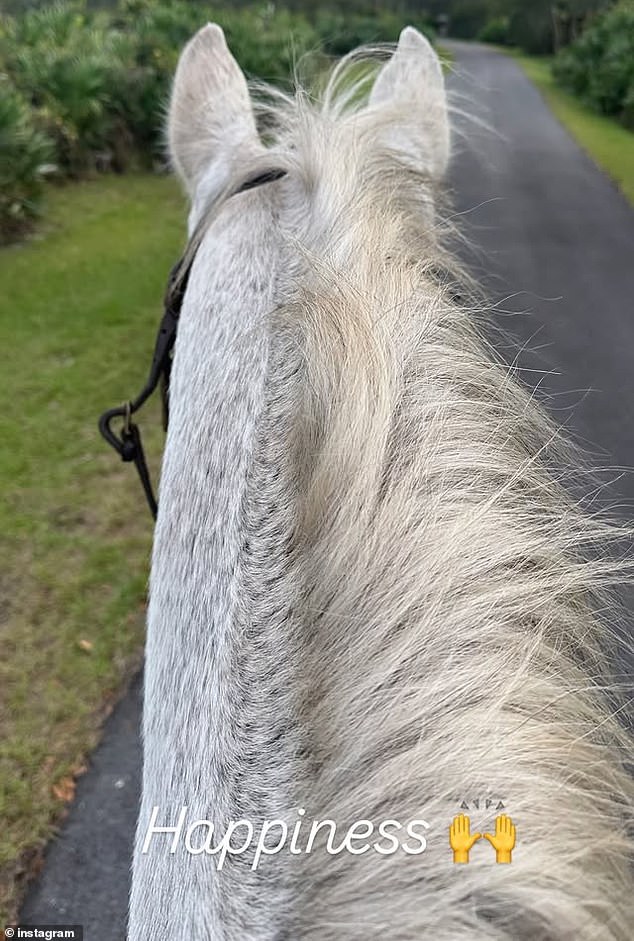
x: 219, y: 658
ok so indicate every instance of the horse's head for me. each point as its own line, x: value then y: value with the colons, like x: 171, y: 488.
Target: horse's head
x: 348, y: 151
x: 370, y: 595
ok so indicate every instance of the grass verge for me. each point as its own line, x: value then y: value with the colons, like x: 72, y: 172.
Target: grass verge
x: 607, y: 143
x: 78, y: 311
x: 446, y: 56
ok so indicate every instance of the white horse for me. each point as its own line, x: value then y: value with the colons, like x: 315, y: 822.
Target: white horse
x: 373, y: 606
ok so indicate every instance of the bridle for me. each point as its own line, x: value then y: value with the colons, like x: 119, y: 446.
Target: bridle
x: 128, y: 443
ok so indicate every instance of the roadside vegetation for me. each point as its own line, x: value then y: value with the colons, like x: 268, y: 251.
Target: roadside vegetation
x: 607, y: 142
x: 83, y: 87
x: 538, y: 27
x: 580, y: 54
x: 598, y: 67
x: 78, y: 311
x: 91, y: 224
x: 591, y: 42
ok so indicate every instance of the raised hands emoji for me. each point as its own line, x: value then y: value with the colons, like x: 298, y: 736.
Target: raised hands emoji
x: 461, y: 839
x: 504, y: 840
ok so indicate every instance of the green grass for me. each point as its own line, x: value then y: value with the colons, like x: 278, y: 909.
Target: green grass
x: 446, y: 56
x: 78, y: 310
x: 607, y: 143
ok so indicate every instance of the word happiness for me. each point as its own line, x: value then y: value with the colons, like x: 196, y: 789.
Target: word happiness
x: 274, y: 836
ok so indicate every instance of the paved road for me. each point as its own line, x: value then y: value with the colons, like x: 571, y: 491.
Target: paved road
x: 85, y: 879
x: 550, y: 230
x: 554, y: 237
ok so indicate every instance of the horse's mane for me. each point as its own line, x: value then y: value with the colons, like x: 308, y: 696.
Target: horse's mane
x: 455, y: 596
x: 453, y: 614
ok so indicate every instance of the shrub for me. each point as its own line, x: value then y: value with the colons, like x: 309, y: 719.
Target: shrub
x: 340, y: 32
x: 90, y: 81
x: 627, y: 115
x: 495, y: 31
x: 69, y: 69
x: 599, y: 66
x: 139, y: 97
x: 267, y: 41
x: 530, y: 28
x: 25, y: 155
x: 467, y: 17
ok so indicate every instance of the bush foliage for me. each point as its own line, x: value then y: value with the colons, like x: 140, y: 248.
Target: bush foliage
x: 25, y: 155
x: 599, y: 66
x: 538, y: 27
x: 338, y: 32
x: 495, y: 30
x: 84, y: 86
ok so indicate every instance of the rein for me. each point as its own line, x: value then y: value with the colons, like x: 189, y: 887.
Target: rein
x: 128, y: 443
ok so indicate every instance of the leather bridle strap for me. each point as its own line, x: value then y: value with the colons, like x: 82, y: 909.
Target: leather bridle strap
x: 128, y: 443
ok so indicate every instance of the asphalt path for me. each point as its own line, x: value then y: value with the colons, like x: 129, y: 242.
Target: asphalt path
x: 554, y: 244
x: 553, y: 240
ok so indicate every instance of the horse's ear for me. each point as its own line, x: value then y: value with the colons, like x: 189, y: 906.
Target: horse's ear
x: 210, y: 115
x: 410, y: 89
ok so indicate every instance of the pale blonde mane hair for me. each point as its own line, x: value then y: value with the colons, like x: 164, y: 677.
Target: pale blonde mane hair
x: 452, y: 613
x: 455, y: 590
